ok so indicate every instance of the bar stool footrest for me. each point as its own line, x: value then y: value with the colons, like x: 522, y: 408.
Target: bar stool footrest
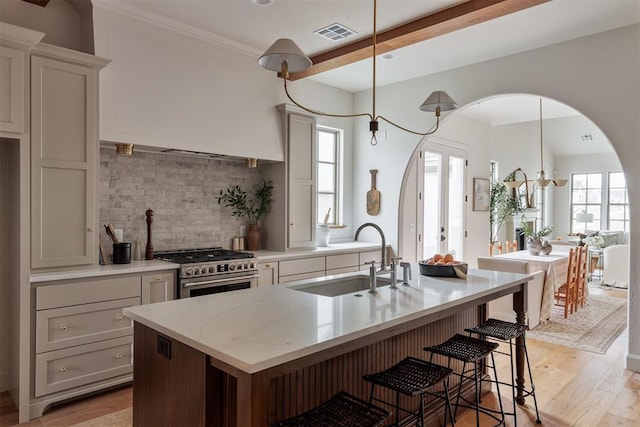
x: 342, y: 409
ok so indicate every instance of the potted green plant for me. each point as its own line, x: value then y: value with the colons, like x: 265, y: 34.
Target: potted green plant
x: 250, y: 207
x: 535, y: 244
x: 503, y: 204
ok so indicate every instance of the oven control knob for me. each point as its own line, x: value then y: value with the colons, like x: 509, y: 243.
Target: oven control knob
x: 212, y: 269
x: 196, y: 270
x: 252, y: 266
x: 232, y: 267
x: 189, y: 271
x: 246, y: 266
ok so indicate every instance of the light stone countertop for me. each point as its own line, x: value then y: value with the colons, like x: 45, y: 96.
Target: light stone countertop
x: 103, y: 270
x: 259, y: 328
x: 332, y: 249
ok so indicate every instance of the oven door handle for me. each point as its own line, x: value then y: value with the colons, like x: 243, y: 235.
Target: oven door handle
x: 213, y: 282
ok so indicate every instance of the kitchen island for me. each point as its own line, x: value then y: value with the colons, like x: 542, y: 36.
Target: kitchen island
x: 253, y: 356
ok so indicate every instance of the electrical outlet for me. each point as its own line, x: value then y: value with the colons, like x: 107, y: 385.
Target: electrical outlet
x: 164, y: 347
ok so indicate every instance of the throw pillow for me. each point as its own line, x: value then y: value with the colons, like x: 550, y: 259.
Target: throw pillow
x: 609, y: 239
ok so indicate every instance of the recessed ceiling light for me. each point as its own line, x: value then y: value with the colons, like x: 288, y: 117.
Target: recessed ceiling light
x: 263, y: 2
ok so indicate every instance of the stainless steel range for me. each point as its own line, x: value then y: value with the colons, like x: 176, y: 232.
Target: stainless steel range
x: 211, y: 270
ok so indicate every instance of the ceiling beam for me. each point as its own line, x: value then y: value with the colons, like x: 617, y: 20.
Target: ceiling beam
x: 445, y: 21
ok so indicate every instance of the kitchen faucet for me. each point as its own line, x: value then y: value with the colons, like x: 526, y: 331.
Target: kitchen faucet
x: 384, y: 242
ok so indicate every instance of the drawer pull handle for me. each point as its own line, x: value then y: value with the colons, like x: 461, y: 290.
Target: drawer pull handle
x: 63, y: 369
x: 63, y: 327
x: 159, y: 279
x: 90, y: 229
x: 118, y: 356
x: 118, y: 317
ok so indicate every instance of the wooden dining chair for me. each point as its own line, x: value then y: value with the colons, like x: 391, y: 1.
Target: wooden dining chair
x: 567, y: 294
x: 581, y: 289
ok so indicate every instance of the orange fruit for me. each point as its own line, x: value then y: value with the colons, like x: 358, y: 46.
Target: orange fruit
x: 430, y: 261
x: 448, y: 258
x: 437, y: 257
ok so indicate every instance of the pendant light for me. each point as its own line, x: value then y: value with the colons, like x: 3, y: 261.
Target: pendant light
x: 284, y: 56
x: 542, y: 182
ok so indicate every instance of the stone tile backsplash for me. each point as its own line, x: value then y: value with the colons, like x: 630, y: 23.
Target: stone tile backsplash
x: 182, y: 192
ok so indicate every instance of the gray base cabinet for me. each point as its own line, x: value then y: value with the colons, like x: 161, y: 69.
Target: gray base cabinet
x: 83, y: 342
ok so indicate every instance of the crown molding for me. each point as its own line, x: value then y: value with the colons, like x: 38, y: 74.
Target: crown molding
x: 19, y: 37
x: 174, y: 25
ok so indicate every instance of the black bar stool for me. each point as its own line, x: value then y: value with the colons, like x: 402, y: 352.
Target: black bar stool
x: 474, y: 351
x: 413, y: 377
x: 341, y: 410
x: 508, y: 332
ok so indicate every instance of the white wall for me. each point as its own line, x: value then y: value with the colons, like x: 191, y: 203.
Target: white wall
x: 588, y: 74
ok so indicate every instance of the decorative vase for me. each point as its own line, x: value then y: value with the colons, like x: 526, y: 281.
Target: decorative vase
x: 546, y: 248
x: 534, y: 245
x: 253, y: 237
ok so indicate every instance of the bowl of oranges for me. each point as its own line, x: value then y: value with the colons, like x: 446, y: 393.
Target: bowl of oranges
x: 443, y: 266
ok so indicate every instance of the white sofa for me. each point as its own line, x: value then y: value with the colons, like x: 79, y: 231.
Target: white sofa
x: 615, y: 266
x: 502, y: 308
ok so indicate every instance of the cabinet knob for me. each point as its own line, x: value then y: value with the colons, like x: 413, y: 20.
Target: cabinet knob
x: 90, y: 229
x: 118, y: 356
x: 159, y: 278
x: 63, y: 327
x: 63, y: 369
x: 118, y: 317
x: 290, y: 224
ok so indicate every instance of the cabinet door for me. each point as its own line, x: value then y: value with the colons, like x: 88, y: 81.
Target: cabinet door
x: 63, y: 163
x: 268, y: 273
x: 158, y: 287
x: 11, y: 90
x: 302, y: 183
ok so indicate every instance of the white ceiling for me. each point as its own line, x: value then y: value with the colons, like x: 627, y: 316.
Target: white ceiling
x: 255, y: 27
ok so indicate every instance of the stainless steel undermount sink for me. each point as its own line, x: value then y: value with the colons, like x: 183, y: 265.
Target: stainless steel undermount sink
x: 339, y: 286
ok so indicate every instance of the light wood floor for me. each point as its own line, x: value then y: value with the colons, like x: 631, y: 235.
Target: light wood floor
x: 574, y: 388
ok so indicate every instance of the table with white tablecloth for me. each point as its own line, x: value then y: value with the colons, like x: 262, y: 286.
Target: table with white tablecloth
x: 555, y: 265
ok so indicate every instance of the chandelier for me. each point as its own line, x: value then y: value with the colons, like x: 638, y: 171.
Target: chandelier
x: 284, y: 56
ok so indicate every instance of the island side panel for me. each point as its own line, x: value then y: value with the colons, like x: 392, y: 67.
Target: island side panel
x: 170, y: 382
x: 305, y: 387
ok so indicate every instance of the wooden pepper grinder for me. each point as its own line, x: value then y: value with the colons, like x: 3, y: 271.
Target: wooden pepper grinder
x: 149, y: 251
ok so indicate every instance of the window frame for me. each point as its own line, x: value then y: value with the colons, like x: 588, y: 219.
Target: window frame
x: 625, y: 205
x: 595, y: 208
x: 338, y: 178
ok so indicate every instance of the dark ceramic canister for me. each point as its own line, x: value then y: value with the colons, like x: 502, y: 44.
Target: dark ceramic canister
x: 122, y: 253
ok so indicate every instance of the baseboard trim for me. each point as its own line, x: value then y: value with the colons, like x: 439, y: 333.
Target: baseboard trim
x: 633, y: 362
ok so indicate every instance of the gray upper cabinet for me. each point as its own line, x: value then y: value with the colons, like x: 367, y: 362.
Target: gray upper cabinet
x: 12, y: 90
x: 291, y: 224
x: 64, y: 157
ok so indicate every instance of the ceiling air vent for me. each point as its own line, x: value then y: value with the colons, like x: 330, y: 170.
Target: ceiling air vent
x: 335, y: 32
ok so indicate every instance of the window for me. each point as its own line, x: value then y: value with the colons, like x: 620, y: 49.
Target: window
x: 329, y: 174
x: 618, y: 206
x: 586, y: 197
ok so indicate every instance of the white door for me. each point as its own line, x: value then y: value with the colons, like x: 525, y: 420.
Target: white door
x: 441, y: 172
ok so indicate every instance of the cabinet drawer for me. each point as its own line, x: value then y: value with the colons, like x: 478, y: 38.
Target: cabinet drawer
x: 301, y: 276
x: 58, y: 328
x: 370, y: 256
x: 72, y: 367
x: 342, y: 270
x: 301, y: 266
x: 341, y: 261
x: 87, y: 291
